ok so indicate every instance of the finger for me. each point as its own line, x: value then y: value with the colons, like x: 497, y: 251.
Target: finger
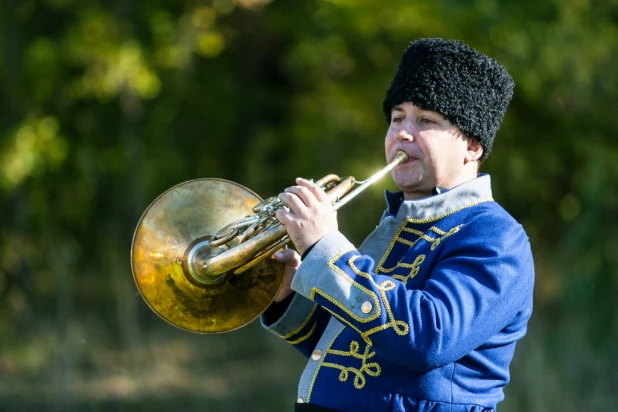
x: 293, y: 201
x: 304, y: 194
x: 283, y: 216
x: 288, y: 256
x: 317, y: 191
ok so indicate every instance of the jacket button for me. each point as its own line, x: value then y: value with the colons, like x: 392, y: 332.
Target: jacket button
x: 366, y: 307
x: 316, y: 355
x: 300, y: 400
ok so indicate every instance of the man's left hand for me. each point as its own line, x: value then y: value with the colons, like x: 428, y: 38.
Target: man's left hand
x: 311, y: 214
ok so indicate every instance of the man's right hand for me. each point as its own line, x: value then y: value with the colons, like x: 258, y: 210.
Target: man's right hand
x: 291, y: 258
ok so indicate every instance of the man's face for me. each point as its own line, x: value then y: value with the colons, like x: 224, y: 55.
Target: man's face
x: 436, y: 148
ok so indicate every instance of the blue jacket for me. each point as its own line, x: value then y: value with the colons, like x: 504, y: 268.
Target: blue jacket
x: 423, y: 316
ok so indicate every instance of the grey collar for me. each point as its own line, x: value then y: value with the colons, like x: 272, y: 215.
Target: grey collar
x: 466, y: 194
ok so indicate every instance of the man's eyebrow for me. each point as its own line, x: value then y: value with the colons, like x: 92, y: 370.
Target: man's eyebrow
x: 397, y: 108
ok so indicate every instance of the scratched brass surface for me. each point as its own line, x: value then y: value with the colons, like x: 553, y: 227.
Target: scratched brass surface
x: 186, y: 212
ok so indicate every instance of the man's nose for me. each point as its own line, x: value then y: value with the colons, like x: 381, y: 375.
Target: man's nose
x: 405, y: 134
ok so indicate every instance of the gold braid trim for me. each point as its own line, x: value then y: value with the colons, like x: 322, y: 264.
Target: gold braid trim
x: 372, y: 369
x: 315, y: 374
x: 421, y: 221
x: 302, y: 325
x: 335, y: 302
x: 400, y: 327
x: 450, y: 212
x: 306, y: 336
x: 415, y: 267
x: 435, y: 241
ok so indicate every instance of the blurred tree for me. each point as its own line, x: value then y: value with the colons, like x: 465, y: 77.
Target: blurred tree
x: 107, y: 104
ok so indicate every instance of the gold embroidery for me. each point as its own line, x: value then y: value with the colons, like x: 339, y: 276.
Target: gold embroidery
x: 315, y: 374
x: 372, y: 369
x: 348, y: 323
x: 400, y: 327
x: 415, y: 267
x: 444, y: 234
x: 390, y: 247
x: 435, y: 241
x: 351, y: 314
x: 306, y: 336
x: 421, y: 221
x: 302, y: 325
x: 450, y: 212
x: 335, y: 302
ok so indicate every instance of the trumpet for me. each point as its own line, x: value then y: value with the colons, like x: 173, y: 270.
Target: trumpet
x: 199, y: 251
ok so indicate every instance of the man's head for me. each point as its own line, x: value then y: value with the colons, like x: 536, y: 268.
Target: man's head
x: 444, y: 108
x: 466, y: 87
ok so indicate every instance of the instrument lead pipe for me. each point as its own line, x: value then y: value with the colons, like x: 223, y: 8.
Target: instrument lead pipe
x: 400, y: 158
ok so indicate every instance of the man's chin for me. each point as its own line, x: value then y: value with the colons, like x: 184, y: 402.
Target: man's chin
x: 406, y: 179
x: 412, y: 190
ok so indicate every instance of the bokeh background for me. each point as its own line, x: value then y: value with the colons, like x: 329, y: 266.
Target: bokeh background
x: 106, y: 104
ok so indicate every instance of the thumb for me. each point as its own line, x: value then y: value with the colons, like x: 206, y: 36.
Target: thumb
x: 288, y: 256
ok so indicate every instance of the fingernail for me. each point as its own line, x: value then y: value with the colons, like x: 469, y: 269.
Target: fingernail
x: 279, y: 255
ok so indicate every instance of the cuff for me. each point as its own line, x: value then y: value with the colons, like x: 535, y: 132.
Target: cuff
x: 327, y: 276
x: 294, y: 321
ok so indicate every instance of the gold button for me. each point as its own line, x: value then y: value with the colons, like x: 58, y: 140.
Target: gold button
x: 300, y: 400
x: 366, y: 307
x: 316, y: 355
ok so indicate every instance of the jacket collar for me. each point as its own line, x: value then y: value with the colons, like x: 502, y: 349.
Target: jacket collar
x: 442, y: 202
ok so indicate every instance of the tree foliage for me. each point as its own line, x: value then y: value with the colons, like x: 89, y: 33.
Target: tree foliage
x: 107, y: 104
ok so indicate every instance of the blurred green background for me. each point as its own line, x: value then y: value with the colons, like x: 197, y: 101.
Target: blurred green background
x: 106, y: 104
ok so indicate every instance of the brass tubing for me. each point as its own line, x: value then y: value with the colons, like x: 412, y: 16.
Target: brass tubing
x: 239, y: 255
x: 401, y: 157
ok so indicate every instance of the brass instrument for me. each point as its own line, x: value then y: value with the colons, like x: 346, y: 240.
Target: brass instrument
x: 199, y: 250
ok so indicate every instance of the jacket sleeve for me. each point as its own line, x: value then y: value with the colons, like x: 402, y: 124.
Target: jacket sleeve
x: 480, y: 283
x: 301, y: 324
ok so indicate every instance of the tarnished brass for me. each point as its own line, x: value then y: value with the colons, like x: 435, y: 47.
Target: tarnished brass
x: 185, y: 214
x: 200, y: 253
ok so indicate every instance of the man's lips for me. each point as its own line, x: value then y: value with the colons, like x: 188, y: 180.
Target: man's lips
x: 411, y: 157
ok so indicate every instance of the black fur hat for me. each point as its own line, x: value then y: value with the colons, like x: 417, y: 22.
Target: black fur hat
x: 465, y: 86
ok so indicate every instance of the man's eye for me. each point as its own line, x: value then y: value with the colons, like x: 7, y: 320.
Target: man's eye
x: 396, y: 120
x: 427, y: 120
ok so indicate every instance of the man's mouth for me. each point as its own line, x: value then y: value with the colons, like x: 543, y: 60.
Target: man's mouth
x: 410, y: 159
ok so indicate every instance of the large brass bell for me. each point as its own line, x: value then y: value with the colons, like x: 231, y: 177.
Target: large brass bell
x: 185, y: 213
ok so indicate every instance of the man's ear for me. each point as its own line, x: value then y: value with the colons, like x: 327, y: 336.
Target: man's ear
x: 474, y: 151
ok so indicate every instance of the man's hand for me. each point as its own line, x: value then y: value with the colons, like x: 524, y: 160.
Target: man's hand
x: 311, y: 215
x: 291, y: 258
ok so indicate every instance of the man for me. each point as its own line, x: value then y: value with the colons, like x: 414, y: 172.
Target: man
x: 426, y: 313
